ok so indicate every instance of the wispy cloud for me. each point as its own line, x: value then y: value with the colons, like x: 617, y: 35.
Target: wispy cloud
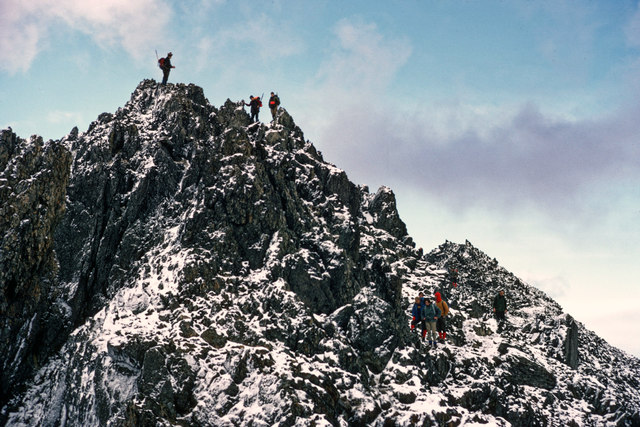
x: 353, y: 78
x: 25, y: 26
x: 72, y: 118
x: 362, y: 61
x: 251, y: 45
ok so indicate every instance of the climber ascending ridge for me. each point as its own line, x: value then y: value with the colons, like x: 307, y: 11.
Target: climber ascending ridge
x: 255, y: 105
x: 500, y: 306
x: 453, y: 276
x: 274, y: 101
x: 441, y: 324
x: 416, y: 313
x: 431, y: 314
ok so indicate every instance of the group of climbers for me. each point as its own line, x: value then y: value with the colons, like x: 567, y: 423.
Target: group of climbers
x: 431, y: 317
x: 255, y: 101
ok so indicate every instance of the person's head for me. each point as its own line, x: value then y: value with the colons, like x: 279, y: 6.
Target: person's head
x: 438, y: 296
x: 421, y: 294
x: 169, y: 55
x: 272, y: 93
x: 501, y: 292
x: 417, y: 300
x: 427, y: 301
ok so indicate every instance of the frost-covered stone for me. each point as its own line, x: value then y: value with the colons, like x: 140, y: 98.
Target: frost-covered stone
x: 33, y: 179
x: 213, y: 271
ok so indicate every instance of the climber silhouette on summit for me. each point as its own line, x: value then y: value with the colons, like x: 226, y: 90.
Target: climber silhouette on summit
x: 165, y: 66
x: 274, y: 102
x: 255, y: 105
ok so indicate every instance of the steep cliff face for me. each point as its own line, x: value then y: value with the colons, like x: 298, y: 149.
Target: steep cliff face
x: 218, y: 272
x: 33, y: 180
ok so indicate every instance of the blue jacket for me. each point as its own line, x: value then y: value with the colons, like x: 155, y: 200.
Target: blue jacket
x: 416, y: 311
x: 430, y: 311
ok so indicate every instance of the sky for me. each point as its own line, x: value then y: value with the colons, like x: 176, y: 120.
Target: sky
x: 511, y: 124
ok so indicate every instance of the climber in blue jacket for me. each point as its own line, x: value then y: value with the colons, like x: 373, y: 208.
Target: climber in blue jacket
x: 416, y: 313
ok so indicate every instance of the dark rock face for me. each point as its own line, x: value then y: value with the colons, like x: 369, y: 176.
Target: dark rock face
x: 33, y: 179
x: 193, y: 268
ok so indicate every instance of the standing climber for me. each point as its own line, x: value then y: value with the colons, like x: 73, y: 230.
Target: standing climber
x: 274, y: 102
x: 453, y: 276
x: 165, y: 66
x: 416, y: 314
x: 430, y: 313
x: 500, y: 306
x: 255, y: 105
x: 441, y: 324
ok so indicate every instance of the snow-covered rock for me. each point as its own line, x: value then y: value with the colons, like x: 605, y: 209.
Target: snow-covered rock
x: 213, y: 272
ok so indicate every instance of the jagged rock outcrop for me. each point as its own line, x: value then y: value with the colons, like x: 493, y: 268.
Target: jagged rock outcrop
x: 219, y: 272
x: 571, y: 352
x: 33, y: 180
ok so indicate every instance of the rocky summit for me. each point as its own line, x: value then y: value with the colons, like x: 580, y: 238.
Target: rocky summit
x: 177, y: 264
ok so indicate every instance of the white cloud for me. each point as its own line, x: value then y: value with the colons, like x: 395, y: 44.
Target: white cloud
x: 251, y: 45
x: 25, y: 26
x: 363, y: 61
x: 19, y: 35
x: 351, y: 82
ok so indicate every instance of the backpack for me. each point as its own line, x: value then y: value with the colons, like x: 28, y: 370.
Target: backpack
x: 161, y: 63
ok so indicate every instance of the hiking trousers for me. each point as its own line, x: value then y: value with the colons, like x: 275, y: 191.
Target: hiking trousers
x: 431, y: 331
x: 165, y: 76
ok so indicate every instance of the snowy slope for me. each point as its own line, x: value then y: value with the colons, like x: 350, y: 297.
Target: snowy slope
x: 222, y: 273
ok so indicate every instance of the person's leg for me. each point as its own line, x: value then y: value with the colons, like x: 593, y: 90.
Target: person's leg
x: 414, y: 322
x: 444, y: 329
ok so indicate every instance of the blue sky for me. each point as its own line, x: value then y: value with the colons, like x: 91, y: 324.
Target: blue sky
x: 513, y: 124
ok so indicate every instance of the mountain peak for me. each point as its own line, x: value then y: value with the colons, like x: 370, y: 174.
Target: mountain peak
x: 200, y: 266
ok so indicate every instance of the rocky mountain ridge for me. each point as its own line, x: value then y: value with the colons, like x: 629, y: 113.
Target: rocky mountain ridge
x: 177, y: 264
